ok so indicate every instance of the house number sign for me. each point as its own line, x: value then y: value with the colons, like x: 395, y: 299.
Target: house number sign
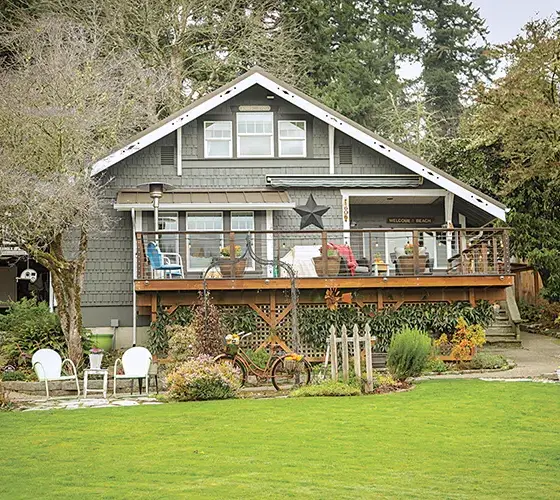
x: 410, y: 220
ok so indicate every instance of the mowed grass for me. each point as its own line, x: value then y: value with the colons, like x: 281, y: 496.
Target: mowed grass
x: 444, y: 439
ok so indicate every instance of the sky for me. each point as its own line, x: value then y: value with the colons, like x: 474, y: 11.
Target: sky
x: 504, y: 19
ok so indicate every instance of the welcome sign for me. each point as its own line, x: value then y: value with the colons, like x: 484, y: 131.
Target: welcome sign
x: 410, y: 220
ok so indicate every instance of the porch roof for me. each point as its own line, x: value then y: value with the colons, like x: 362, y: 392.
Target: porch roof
x: 201, y: 200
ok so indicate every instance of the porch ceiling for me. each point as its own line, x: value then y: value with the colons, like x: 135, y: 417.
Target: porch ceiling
x: 390, y: 200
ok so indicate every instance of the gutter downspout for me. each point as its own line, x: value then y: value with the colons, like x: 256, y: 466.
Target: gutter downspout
x: 134, y: 275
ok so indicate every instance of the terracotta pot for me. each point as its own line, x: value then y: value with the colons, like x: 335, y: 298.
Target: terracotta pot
x: 333, y: 265
x: 235, y: 271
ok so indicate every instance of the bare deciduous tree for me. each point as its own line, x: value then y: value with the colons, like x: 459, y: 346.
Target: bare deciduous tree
x: 65, y: 101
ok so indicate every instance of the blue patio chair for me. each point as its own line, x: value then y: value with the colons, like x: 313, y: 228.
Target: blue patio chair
x: 160, y: 261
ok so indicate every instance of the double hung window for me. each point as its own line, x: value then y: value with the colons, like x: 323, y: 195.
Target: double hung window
x: 255, y: 135
x: 292, y: 138
x: 218, y: 139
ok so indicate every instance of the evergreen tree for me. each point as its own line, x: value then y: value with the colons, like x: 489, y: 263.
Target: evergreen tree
x: 453, y: 55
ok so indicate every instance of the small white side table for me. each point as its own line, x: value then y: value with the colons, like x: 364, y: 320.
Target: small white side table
x: 103, y: 372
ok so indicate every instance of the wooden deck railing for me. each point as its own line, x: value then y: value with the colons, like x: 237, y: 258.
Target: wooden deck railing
x: 328, y: 253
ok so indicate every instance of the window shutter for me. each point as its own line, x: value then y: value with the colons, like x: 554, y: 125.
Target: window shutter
x: 345, y: 154
x: 167, y: 155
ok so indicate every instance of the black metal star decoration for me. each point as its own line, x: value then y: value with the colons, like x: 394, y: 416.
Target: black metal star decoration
x: 311, y: 213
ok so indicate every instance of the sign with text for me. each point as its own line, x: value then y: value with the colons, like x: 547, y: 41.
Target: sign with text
x: 410, y: 220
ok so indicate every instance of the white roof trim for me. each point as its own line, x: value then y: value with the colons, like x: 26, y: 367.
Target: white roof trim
x: 313, y: 109
x: 121, y: 207
x: 375, y: 193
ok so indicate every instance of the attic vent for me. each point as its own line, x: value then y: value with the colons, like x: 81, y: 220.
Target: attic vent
x: 345, y: 154
x: 167, y: 155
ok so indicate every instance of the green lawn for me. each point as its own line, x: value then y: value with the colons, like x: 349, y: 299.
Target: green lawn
x: 445, y: 439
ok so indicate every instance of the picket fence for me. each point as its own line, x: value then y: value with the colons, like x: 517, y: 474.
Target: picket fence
x: 344, y: 344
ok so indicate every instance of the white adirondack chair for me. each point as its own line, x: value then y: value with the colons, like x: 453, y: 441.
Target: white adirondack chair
x: 136, y: 363
x: 48, y: 367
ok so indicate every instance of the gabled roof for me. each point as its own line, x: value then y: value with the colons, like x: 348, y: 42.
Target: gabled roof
x: 257, y: 76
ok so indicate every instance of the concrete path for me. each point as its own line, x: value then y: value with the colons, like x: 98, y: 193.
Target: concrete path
x: 69, y: 403
x: 538, y: 358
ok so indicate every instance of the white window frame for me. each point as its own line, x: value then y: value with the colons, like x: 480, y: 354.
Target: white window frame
x: 175, y: 214
x: 206, y: 139
x: 250, y: 267
x: 304, y: 139
x: 193, y: 269
x: 245, y: 134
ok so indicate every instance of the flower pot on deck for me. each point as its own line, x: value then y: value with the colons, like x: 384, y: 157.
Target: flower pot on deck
x: 235, y: 270
x: 333, y: 265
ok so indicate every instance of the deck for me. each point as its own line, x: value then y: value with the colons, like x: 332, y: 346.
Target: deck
x: 438, y: 265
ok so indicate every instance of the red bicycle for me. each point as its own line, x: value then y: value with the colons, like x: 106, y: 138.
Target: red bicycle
x: 286, y: 371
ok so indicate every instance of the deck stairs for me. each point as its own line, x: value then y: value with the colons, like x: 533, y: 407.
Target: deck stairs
x: 503, y: 332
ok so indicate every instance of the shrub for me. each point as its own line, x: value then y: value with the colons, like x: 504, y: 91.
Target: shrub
x: 158, y: 337
x: 436, y: 318
x: 408, y: 353
x: 14, y: 376
x: 385, y: 382
x: 326, y: 388
x: 27, y: 326
x: 200, y: 379
x: 487, y: 361
x: 210, y: 332
x: 435, y: 365
x: 182, y: 342
x: 464, y: 340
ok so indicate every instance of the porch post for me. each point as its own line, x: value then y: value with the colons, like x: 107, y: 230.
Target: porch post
x: 269, y: 242
x: 346, y: 218
x: 449, y: 199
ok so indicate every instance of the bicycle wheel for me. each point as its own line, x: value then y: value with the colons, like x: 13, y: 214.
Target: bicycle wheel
x: 225, y: 358
x: 289, y: 373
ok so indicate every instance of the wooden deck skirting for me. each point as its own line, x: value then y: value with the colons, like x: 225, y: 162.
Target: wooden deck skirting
x: 179, y: 285
x: 376, y: 291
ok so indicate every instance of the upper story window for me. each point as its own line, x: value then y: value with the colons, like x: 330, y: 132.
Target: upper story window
x: 255, y: 136
x: 292, y: 138
x: 218, y: 139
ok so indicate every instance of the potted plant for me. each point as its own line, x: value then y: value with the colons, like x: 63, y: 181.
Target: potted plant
x: 333, y: 263
x: 236, y: 269
x: 95, y: 358
x: 408, y: 248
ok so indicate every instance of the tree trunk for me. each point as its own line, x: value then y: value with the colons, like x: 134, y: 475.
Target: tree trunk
x: 67, y: 282
x: 67, y: 287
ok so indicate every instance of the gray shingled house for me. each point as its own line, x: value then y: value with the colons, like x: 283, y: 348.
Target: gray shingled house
x: 234, y: 164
